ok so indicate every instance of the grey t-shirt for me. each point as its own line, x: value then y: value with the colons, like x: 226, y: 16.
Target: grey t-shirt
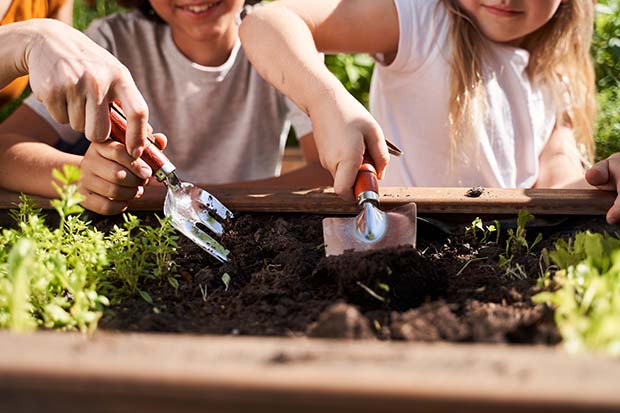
x: 224, y: 124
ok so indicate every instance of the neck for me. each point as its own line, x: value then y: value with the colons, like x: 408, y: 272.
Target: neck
x: 212, y: 52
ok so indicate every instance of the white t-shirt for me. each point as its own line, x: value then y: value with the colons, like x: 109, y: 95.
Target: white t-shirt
x: 410, y: 99
x: 224, y: 124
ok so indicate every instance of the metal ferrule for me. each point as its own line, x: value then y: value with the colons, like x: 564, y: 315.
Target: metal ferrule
x: 162, y: 173
x: 368, y: 196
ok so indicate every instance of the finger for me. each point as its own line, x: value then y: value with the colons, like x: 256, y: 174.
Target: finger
x: 97, y: 121
x: 136, y: 111
x: 598, y: 175
x: 161, y: 141
x: 56, y: 105
x: 111, y: 190
x: 377, y: 149
x: 344, y: 179
x: 76, y: 111
x: 613, y: 215
x: 102, y: 205
x: 123, y: 167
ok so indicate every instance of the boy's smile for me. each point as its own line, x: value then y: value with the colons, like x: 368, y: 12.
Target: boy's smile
x: 200, y: 9
x: 509, y: 21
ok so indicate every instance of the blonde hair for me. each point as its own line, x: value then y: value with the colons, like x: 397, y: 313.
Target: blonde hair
x: 559, y: 57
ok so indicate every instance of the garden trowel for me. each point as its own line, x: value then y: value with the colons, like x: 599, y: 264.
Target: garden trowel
x: 191, y: 209
x: 372, y: 228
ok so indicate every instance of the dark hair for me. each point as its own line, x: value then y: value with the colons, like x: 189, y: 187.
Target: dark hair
x: 145, y: 7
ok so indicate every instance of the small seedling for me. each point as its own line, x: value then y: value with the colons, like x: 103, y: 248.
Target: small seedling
x: 203, y: 292
x: 479, y: 229
x: 370, y: 291
x: 226, y: 280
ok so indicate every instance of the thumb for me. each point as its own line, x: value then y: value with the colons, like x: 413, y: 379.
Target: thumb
x: 344, y: 179
x: 598, y: 174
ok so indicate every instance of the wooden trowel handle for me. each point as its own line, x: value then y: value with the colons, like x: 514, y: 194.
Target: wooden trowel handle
x: 152, y: 155
x: 366, y: 179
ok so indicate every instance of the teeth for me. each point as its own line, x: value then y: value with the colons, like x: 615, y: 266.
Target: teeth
x: 200, y: 8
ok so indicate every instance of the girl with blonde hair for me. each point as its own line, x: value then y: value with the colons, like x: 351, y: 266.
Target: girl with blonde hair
x: 497, y: 93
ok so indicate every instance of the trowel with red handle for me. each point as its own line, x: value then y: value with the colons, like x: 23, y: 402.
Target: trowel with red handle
x: 372, y: 228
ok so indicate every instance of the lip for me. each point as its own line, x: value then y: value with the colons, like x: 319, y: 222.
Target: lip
x: 502, y: 11
x: 198, y: 9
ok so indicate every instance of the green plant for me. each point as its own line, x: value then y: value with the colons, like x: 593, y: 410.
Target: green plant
x: 55, y: 277
x: 85, y: 11
x: 478, y: 227
x: 586, y: 278
x: 354, y: 72
x: 517, y: 243
x: 138, y: 253
x: 606, y: 56
x: 517, y: 238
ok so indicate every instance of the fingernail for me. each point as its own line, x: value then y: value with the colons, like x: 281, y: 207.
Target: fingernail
x: 137, y: 153
x: 145, y: 172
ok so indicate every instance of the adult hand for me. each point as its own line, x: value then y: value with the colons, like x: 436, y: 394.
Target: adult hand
x: 344, y: 131
x: 605, y: 175
x: 111, y: 178
x: 76, y: 80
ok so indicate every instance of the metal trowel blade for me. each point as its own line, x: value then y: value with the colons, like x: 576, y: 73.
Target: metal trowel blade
x: 340, y: 234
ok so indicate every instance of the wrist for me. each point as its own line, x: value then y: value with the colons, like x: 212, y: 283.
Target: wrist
x: 325, y: 93
x: 16, y: 42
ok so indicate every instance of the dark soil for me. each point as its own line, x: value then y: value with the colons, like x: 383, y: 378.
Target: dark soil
x: 450, y: 288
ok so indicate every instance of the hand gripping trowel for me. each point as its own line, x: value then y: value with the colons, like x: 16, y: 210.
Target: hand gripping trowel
x: 372, y: 228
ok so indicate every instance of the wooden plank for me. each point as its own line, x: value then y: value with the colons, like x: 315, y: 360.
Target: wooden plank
x: 428, y: 200
x: 60, y: 372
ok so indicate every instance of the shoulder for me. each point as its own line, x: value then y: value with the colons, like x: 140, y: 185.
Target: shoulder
x: 424, y: 27
x: 424, y: 11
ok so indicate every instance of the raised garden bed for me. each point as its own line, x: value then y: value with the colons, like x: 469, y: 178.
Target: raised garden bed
x: 280, y: 284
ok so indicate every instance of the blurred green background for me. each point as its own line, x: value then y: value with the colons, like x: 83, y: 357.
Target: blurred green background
x: 354, y: 71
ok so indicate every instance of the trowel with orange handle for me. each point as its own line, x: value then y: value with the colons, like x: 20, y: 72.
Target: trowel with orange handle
x: 372, y: 228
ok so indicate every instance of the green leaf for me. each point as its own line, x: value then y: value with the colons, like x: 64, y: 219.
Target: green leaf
x: 226, y: 280
x: 146, y: 296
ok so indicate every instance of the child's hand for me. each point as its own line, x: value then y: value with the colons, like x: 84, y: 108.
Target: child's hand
x: 76, y: 79
x: 343, y: 131
x: 605, y: 175
x: 111, y: 178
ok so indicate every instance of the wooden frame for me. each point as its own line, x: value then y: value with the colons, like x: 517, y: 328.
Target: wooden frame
x: 428, y: 200
x: 60, y: 372
x: 63, y: 372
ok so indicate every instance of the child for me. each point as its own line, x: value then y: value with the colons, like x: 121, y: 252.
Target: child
x: 497, y: 93
x: 224, y: 122
x: 20, y: 10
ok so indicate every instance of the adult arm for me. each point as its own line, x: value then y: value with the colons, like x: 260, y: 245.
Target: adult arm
x: 282, y: 40
x: 73, y: 77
